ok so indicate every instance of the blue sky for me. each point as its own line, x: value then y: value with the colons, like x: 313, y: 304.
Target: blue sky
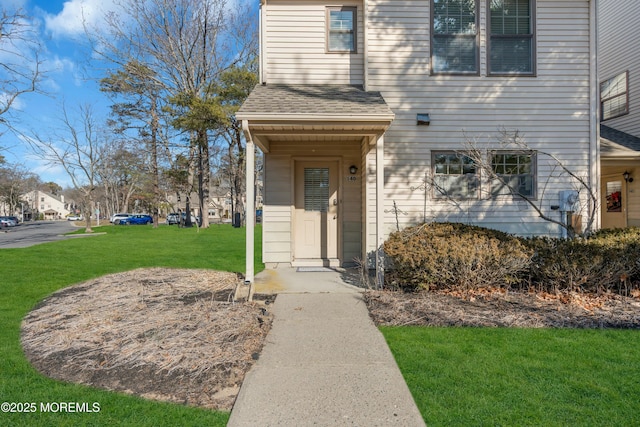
x: 68, y: 79
x: 71, y: 77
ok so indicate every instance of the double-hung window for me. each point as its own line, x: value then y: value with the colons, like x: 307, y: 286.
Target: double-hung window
x: 515, y: 174
x: 454, y: 176
x: 341, y: 29
x: 454, y: 37
x: 511, y: 37
x: 614, y: 96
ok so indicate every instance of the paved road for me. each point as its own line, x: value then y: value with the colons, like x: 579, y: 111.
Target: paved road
x: 33, y: 233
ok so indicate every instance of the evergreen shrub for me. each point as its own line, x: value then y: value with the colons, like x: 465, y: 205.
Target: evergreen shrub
x: 608, y: 260
x: 451, y: 255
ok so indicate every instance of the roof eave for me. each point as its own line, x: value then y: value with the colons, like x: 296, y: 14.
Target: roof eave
x: 283, y: 118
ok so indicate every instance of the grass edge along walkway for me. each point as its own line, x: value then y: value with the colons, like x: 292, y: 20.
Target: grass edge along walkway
x: 30, y: 274
x: 519, y: 377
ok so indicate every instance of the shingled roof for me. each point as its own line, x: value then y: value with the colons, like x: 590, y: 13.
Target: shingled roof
x: 314, y: 100
x: 614, y: 142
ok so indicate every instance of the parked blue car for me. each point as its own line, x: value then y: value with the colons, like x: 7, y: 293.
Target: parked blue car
x: 137, y: 220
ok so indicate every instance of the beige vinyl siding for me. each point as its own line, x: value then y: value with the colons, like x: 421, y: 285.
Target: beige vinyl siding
x: 278, y: 201
x: 618, y: 51
x: 295, y: 42
x: 276, y: 227
x: 551, y: 110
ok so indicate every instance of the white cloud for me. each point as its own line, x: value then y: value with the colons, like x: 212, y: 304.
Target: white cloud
x: 75, y: 15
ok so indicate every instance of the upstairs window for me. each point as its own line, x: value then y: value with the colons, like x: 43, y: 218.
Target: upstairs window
x: 455, y: 176
x: 341, y: 29
x: 614, y: 96
x: 511, y: 41
x: 515, y: 172
x: 454, y: 37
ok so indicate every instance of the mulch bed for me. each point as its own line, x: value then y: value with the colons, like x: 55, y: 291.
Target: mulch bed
x: 176, y: 335
x: 502, y: 308
x: 164, y: 334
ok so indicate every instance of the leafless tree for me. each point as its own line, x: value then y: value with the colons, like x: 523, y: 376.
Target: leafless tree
x: 78, y: 148
x: 559, y: 171
x: 187, y: 43
x: 20, y: 62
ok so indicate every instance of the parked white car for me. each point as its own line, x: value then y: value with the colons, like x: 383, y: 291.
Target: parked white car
x: 115, y: 218
x: 5, y: 221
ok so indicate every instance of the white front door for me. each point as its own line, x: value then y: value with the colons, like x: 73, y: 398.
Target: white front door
x: 316, y: 213
x: 614, y: 203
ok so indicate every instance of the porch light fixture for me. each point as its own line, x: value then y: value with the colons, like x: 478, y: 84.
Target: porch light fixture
x: 423, y: 119
x: 353, y: 169
x: 627, y: 176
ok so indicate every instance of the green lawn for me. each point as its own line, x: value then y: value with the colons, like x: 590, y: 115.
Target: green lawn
x: 520, y: 377
x: 30, y: 274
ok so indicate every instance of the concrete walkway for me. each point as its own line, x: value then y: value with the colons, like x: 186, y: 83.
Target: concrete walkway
x: 324, y: 362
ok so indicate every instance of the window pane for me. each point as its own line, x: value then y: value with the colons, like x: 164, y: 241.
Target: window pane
x: 341, y: 20
x: 341, y: 35
x: 340, y: 41
x: 511, y: 55
x: 454, y: 17
x: 511, y: 42
x: 614, y: 196
x: 516, y: 174
x: 455, y: 54
x: 316, y: 189
x: 455, y: 176
x: 454, y: 47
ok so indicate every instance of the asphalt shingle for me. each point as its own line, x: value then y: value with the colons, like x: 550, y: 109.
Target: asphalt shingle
x: 618, y: 137
x: 336, y: 100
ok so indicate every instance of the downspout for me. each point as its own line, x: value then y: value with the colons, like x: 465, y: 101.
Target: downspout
x: 365, y: 42
x: 594, y: 131
x: 261, y: 38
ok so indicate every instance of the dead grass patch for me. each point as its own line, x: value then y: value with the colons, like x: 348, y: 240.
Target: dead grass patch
x: 165, y: 334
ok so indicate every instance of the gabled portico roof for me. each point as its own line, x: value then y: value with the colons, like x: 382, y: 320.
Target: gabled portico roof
x: 310, y: 111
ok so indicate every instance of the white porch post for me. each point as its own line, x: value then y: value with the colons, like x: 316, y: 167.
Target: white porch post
x: 379, y: 211
x: 251, y: 208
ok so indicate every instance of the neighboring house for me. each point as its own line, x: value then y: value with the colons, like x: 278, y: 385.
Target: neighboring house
x: 46, y: 205
x: 220, y: 206
x: 365, y: 105
x: 619, y: 72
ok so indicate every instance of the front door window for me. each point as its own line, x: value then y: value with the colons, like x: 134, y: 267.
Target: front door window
x: 316, y: 189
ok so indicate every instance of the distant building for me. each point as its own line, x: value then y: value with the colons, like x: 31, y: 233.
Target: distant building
x: 42, y: 205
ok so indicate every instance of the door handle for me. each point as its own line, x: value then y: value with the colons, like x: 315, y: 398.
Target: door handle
x: 335, y: 202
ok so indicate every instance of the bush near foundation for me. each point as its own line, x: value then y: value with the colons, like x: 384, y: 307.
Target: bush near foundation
x: 464, y: 257
x: 452, y: 256
x: 607, y: 261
